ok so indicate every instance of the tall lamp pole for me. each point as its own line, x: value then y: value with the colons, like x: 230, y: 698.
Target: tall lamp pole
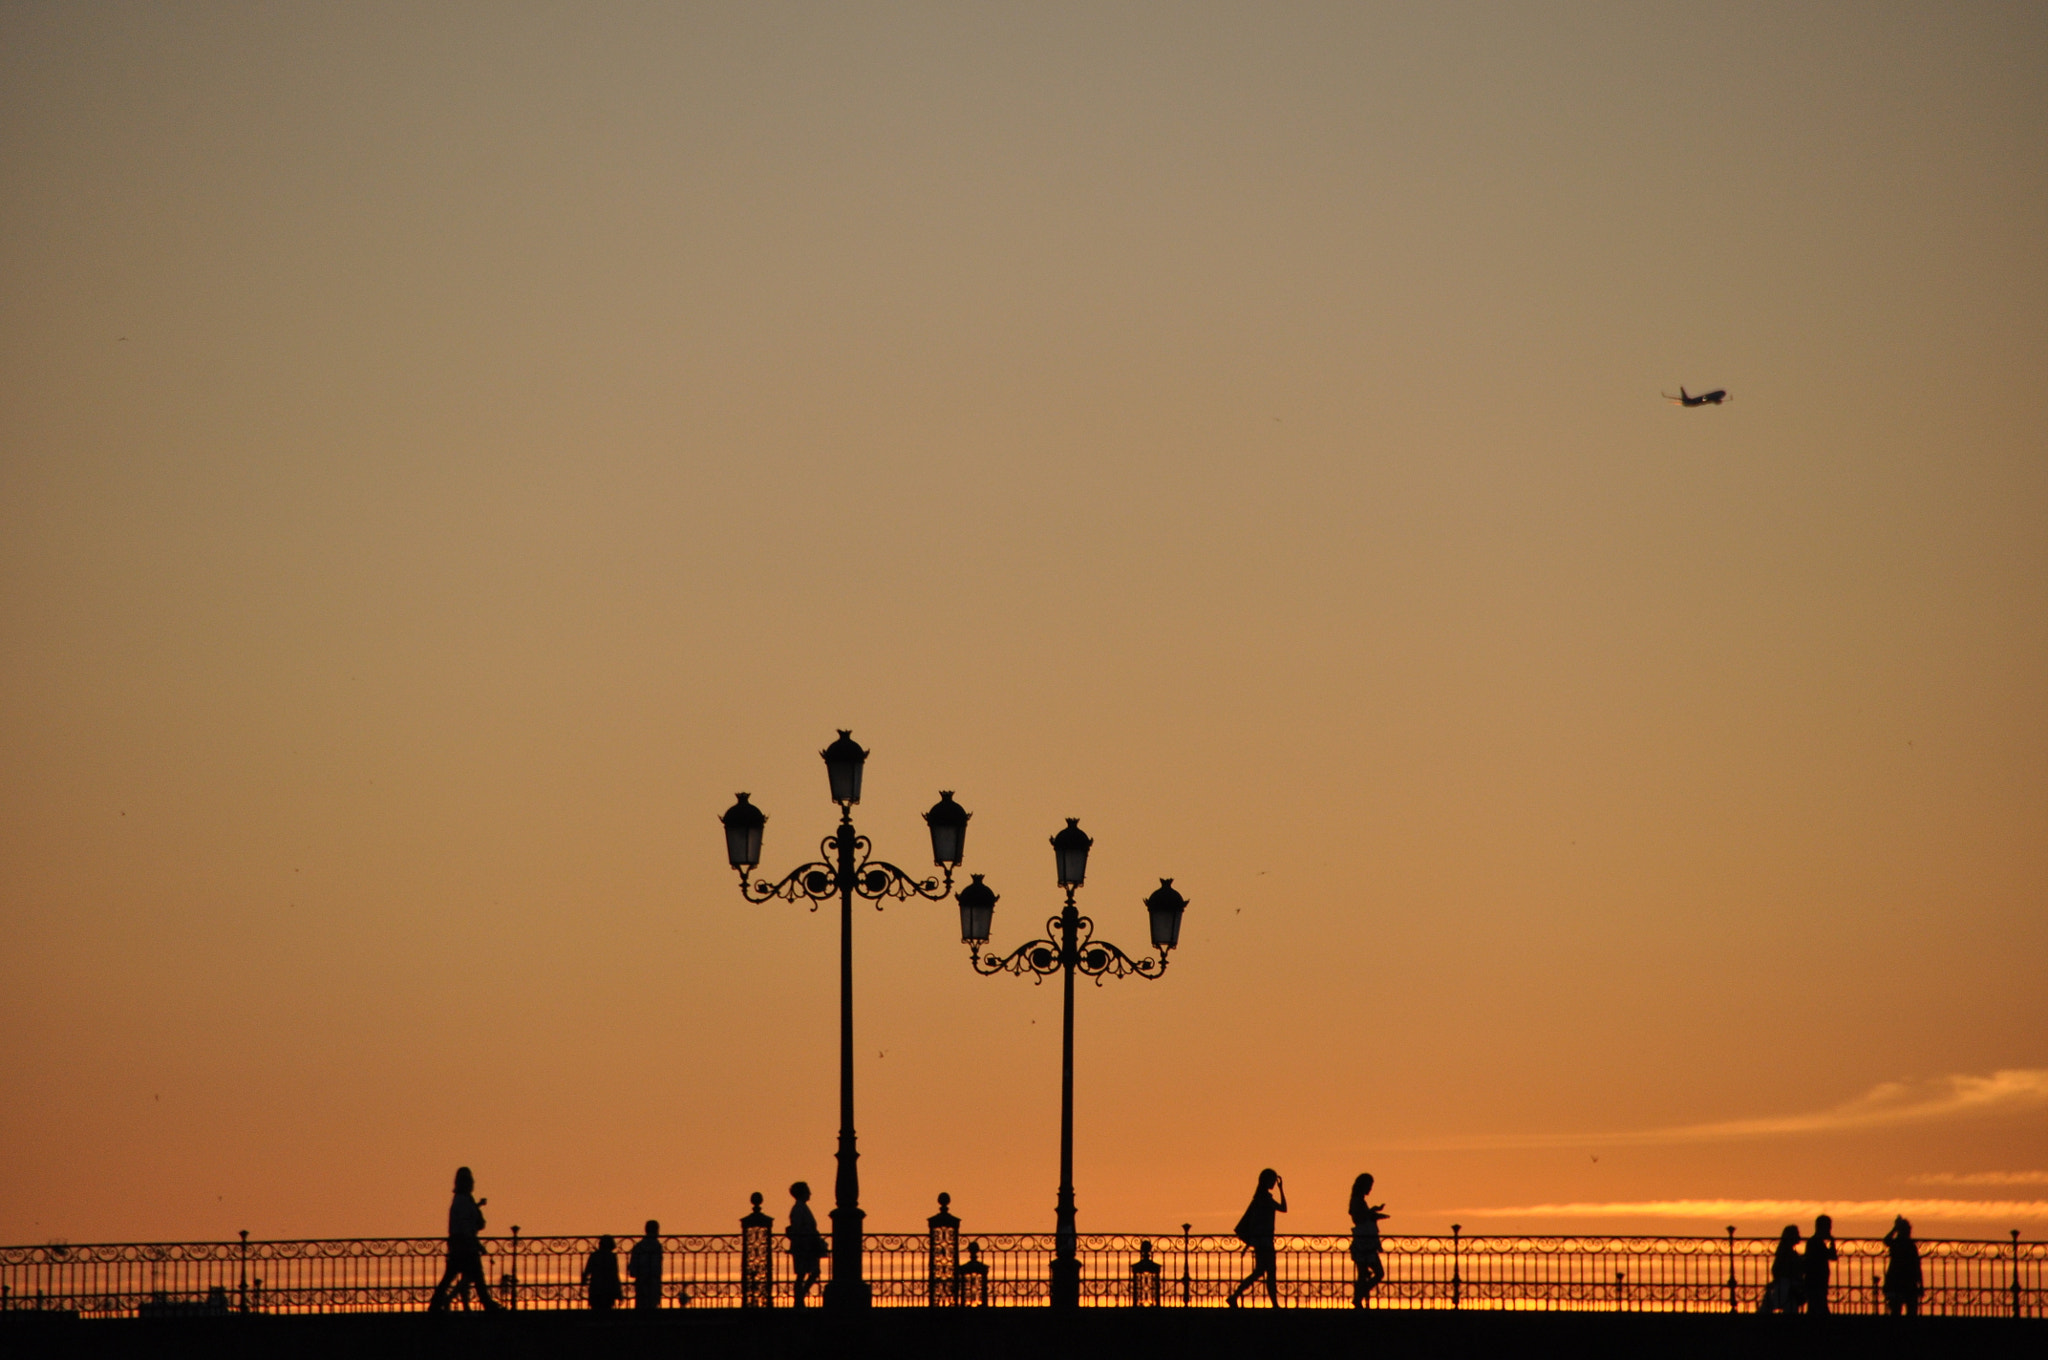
x: 1070, y: 948
x: 846, y: 871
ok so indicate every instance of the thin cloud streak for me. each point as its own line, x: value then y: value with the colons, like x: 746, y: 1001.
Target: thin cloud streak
x: 1735, y: 1210
x: 2008, y: 1091
x: 1982, y: 1178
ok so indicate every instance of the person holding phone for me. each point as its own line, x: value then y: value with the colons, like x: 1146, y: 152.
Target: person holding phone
x: 1365, y: 1241
x: 1816, y: 1265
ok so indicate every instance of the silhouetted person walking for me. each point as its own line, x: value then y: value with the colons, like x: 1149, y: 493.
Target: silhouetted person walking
x: 644, y: 1265
x: 601, y: 1275
x: 1365, y: 1241
x: 806, y: 1245
x: 1813, y: 1269
x: 465, y: 1253
x: 1781, y: 1295
x: 1255, y: 1230
x: 1902, y: 1271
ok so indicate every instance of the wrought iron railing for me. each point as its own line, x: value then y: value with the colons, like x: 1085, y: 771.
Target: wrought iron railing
x: 1647, y: 1274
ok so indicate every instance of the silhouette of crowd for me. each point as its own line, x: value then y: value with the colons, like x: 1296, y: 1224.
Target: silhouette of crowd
x: 1800, y: 1278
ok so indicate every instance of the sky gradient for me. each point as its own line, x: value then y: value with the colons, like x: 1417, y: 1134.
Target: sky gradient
x: 445, y: 452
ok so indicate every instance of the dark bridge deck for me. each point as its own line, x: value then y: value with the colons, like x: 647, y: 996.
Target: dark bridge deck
x: 1011, y: 1334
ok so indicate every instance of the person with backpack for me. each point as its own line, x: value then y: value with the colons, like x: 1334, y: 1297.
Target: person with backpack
x: 806, y: 1243
x: 1256, y: 1230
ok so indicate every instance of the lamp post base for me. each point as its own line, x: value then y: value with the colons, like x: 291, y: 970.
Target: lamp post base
x: 850, y: 1296
x: 1066, y: 1282
x: 848, y: 1288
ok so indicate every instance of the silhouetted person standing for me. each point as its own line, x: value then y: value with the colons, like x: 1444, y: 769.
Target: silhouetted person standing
x: 1781, y: 1295
x: 1365, y: 1241
x: 601, y: 1275
x: 1813, y: 1270
x: 465, y: 1252
x: 1902, y: 1271
x: 1256, y: 1230
x: 644, y: 1265
x: 806, y: 1244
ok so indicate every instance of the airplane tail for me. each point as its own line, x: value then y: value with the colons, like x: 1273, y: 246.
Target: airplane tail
x: 1683, y: 395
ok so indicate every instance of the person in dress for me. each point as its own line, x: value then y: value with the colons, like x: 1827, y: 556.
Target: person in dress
x: 1256, y: 1231
x: 1814, y: 1266
x: 1365, y: 1241
x: 1781, y: 1295
x: 465, y: 1249
x: 806, y: 1244
x: 644, y: 1265
x: 601, y: 1275
x: 1902, y: 1270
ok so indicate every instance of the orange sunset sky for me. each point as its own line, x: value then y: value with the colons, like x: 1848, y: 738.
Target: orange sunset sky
x: 446, y: 451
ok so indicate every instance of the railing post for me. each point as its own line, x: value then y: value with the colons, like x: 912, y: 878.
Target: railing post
x: 942, y: 1247
x: 1185, y: 1228
x: 1621, y: 1291
x: 974, y: 1279
x: 1457, y: 1282
x: 242, y: 1291
x: 512, y: 1275
x: 757, y: 1258
x: 2015, y: 1272
x: 1733, y: 1306
x: 1144, y: 1278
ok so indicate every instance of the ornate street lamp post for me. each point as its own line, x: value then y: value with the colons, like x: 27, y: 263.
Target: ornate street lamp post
x: 845, y: 872
x: 1071, y: 947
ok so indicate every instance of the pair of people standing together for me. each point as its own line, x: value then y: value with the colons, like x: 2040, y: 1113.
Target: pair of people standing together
x: 1800, y: 1279
x: 601, y: 1272
x: 1257, y: 1230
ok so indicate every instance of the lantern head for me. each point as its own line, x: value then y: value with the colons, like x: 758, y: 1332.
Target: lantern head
x: 1165, y: 907
x: 948, y: 823
x: 1070, y: 853
x: 977, y: 911
x: 743, y: 822
x: 843, y: 762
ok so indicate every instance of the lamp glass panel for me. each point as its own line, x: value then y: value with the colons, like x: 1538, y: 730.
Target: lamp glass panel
x: 975, y: 921
x: 743, y: 846
x: 1072, y: 862
x: 845, y: 780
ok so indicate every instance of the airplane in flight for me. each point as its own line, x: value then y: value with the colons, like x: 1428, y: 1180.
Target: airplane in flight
x: 1684, y: 398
